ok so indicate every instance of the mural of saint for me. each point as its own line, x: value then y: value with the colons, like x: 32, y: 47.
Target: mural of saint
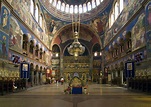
x: 3, y: 46
x: 52, y: 25
x: 149, y: 15
x: 138, y: 32
x: 5, y: 18
x: 99, y: 23
x: 15, y: 35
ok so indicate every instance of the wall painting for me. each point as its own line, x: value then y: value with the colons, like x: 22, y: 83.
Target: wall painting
x: 148, y: 29
x: 5, y: 16
x: 138, y: 33
x: 4, y: 38
x: 15, y: 35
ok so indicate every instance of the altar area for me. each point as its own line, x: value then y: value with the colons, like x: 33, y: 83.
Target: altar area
x: 76, y: 86
x: 76, y: 73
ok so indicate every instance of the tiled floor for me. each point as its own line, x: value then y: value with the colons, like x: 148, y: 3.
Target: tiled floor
x: 98, y: 96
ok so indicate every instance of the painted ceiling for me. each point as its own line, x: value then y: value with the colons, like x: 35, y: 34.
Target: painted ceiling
x: 67, y: 17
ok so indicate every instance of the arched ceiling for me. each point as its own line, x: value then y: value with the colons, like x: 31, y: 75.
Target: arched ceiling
x: 87, y: 36
x: 92, y: 23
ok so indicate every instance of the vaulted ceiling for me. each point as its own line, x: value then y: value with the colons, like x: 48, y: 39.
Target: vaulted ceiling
x: 92, y: 23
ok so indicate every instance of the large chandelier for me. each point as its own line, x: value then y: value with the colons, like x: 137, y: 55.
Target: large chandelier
x: 76, y: 48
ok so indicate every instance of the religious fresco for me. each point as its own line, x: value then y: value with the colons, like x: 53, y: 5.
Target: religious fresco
x: 137, y: 29
x: 84, y: 16
x: 67, y: 34
x: 5, y: 15
x: 22, y: 9
x: 131, y: 8
x: 47, y: 57
x: 15, y: 35
x: 108, y: 36
x: 138, y: 33
x: 124, y: 17
x: 98, y: 23
x: 53, y: 24
x: 4, y: 38
x: 148, y: 29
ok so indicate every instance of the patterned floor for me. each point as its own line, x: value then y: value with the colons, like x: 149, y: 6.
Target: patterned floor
x: 97, y: 96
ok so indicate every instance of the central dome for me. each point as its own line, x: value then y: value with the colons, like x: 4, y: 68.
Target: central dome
x: 63, y: 9
x: 75, y: 2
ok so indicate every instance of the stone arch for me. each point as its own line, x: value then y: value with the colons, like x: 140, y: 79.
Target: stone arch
x: 82, y: 26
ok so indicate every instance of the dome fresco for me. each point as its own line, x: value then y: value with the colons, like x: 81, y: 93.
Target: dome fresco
x: 87, y: 11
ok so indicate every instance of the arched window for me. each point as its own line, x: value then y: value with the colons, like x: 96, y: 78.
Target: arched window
x: 37, y: 13
x: 37, y: 50
x: 41, y: 20
x: 71, y: 9
x: 121, y: 5
x: 75, y: 9
x: 97, y: 2
x: 31, y: 48
x: 50, y: 1
x: 89, y: 6
x: 32, y: 7
x: 129, y: 44
x: 116, y: 10
x: 84, y: 8
x: 112, y: 18
x: 44, y: 56
x: 93, y: 4
x: 67, y: 8
x: 63, y: 7
x: 121, y: 48
x: 59, y: 5
x: 80, y: 8
x: 25, y: 42
x: 40, y: 53
x: 54, y: 3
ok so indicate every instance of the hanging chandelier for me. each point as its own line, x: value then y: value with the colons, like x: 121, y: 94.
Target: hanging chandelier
x: 76, y: 48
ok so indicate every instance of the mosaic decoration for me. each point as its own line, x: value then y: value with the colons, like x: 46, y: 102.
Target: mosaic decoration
x: 3, y: 45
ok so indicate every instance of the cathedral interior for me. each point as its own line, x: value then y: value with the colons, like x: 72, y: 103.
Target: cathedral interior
x: 74, y: 53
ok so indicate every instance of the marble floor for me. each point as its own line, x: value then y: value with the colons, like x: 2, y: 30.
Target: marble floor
x: 98, y: 95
